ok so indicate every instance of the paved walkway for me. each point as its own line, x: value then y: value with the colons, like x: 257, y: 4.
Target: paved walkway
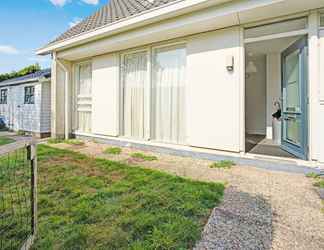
x: 261, y: 209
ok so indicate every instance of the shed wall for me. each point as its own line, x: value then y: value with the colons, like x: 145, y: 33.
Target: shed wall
x: 27, y: 117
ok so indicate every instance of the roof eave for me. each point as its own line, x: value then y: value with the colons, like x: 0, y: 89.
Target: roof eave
x: 169, y: 10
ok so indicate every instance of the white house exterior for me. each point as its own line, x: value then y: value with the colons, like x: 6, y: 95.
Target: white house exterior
x: 25, y: 103
x: 195, y: 73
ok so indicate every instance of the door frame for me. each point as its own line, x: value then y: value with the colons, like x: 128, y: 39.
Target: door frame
x: 244, y: 41
x: 301, y: 152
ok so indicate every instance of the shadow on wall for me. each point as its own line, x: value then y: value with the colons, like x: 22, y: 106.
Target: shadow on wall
x: 242, y: 221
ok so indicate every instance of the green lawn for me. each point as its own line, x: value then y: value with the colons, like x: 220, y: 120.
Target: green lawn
x: 87, y: 203
x: 5, y: 140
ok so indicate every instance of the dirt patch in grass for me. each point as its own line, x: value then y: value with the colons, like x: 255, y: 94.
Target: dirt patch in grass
x: 100, y: 204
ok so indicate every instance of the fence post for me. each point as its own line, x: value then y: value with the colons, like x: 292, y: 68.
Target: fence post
x: 32, y: 156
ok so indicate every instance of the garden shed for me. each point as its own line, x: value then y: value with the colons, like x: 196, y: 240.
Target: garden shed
x: 25, y: 103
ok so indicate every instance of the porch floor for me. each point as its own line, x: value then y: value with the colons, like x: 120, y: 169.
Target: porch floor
x: 258, y: 144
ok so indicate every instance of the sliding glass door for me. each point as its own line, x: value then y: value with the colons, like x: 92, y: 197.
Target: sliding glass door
x: 135, y: 78
x: 168, y: 97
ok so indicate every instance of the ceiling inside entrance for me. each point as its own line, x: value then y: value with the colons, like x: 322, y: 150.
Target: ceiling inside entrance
x: 269, y: 46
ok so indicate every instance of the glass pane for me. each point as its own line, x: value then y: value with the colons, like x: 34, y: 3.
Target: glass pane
x: 275, y: 28
x: 135, y: 79
x: 169, y: 94
x: 292, y: 130
x: 322, y: 20
x: 292, y: 88
x: 85, y: 75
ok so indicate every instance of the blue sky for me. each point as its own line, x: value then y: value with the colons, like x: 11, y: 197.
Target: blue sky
x: 26, y: 25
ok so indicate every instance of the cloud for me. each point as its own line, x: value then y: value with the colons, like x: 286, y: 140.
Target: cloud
x: 93, y: 2
x: 9, y: 50
x: 75, y: 21
x: 59, y: 2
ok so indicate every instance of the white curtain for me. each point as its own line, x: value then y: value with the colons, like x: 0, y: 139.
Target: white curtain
x: 169, y: 95
x: 85, y: 78
x: 84, y: 100
x: 134, y: 82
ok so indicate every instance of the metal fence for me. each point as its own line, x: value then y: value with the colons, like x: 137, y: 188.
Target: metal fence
x: 18, y: 200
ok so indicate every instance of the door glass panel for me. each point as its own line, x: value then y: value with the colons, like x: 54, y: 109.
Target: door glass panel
x: 292, y: 130
x: 292, y: 91
x: 169, y: 95
x: 135, y: 78
x: 84, y: 97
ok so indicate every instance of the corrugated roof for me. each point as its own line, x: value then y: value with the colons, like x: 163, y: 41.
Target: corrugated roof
x: 114, y: 11
x: 37, y: 75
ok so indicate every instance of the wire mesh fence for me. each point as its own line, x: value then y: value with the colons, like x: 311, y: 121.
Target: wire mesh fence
x: 18, y: 170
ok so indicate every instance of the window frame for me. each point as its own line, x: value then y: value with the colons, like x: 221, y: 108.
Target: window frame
x: 4, y: 98
x: 29, y: 94
x: 321, y: 20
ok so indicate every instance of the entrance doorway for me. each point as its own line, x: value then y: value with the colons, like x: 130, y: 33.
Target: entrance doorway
x: 276, y: 97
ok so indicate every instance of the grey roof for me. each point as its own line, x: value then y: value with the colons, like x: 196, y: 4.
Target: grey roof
x: 114, y: 11
x: 37, y: 75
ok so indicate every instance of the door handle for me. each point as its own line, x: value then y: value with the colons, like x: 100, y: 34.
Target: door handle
x: 289, y: 118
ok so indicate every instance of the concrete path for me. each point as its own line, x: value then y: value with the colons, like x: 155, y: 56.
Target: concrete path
x: 262, y: 209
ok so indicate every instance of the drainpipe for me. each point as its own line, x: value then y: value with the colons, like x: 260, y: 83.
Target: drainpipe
x: 66, y: 99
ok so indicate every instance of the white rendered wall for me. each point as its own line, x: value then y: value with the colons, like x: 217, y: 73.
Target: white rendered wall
x: 213, y: 92
x: 321, y: 99
x: 255, y: 98
x: 57, y: 101
x: 273, y: 87
x: 105, y: 81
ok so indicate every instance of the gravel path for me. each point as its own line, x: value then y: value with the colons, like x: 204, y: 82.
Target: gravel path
x: 261, y: 209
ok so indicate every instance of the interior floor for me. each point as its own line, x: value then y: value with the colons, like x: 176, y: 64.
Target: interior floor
x: 259, y: 144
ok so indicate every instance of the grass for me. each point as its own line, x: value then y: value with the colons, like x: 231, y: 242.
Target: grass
x: 223, y: 164
x: 69, y: 141
x: 312, y: 175
x: 144, y: 157
x: 55, y: 141
x: 5, y: 140
x: 88, y: 203
x: 21, y: 132
x: 75, y: 142
x: 319, y: 183
x: 113, y: 151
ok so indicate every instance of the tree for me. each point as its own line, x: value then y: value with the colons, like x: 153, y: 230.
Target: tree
x: 25, y: 71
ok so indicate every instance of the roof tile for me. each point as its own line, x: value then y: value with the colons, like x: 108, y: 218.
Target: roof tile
x: 114, y: 11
